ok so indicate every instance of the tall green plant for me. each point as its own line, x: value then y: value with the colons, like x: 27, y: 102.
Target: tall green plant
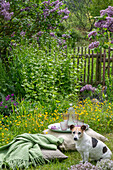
x: 6, y: 83
x: 44, y: 73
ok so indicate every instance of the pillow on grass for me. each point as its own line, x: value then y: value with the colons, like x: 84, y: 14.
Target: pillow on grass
x: 53, y: 154
x: 69, y: 143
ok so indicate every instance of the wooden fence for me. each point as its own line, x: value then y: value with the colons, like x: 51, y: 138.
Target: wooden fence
x: 95, y: 66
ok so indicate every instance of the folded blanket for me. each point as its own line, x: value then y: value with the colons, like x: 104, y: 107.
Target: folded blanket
x: 25, y: 149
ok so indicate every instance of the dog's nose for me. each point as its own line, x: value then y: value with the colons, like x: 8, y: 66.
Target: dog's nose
x: 75, y: 138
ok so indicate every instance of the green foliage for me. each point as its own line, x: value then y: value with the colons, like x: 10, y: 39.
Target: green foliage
x: 109, y: 84
x: 43, y: 73
x: 80, y: 11
x: 98, y: 5
x: 5, y: 81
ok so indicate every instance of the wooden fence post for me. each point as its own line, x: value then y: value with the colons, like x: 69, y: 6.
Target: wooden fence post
x: 104, y: 60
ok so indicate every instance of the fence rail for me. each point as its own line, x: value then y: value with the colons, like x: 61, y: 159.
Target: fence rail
x: 95, y: 66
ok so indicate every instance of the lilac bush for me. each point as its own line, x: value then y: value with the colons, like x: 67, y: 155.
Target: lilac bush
x: 87, y: 91
x: 6, y: 105
x: 4, y: 10
x: 30, y: 19
x: 88, y: 87
x: 103, y: 33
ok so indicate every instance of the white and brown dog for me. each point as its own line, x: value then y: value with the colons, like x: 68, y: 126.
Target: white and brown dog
x: 89, y: 147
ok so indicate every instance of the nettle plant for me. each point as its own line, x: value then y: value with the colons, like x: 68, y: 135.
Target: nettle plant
x: 28, y: 19
x: 102, y: 35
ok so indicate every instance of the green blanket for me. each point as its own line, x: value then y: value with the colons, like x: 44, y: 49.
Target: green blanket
x: 25, y: 149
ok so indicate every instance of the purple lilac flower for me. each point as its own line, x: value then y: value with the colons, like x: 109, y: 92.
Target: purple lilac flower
x: 65, y: 46
x: 100, y: 23
x: 59, y: 4
x: 96, y: 44
x: 66, y: 11
x: 22, y: 33
x: 111, y: 28
x: 39, y: 33
x: 12, y: 94
x: 108, y: 11
x: 5, y: 6
x: 12, y: 35
x: 5, y: 106
x: 7, y: 98
x: 15, y: 104
x: 53, y: 127
x: 23, y: 9
x: 65, y: 17
x: 63, y: 35
x: 112, y: 41
x: 87, y: 87
x: 1, y: 102
x: 52, y: 34
x: 91, y: 46
x: 45, y: 2
x: 64, y: 41
x: 59, y: 42
x: 54, y: 9
x: 94, y: 33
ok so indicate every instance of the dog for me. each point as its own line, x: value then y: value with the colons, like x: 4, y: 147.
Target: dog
x: 89, y: 147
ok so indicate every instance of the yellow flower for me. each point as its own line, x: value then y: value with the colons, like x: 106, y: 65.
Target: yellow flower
x: 46, y: 132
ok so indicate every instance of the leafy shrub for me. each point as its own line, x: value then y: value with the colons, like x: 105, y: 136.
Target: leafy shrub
x: 109, y: 91
x: 76, y: 34
x: 43, y: 73
x: 6, y: 84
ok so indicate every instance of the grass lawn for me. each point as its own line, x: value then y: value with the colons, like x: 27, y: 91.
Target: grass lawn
x: 73, y: 158
x: 33, y: 119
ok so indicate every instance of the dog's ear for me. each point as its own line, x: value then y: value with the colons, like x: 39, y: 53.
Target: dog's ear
x: 83, y: 127
x: 71, y: 127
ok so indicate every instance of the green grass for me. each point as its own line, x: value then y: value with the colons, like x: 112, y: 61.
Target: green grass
x: 33, y: 118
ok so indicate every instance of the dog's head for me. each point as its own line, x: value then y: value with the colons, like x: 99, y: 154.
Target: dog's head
x: 77, y: 132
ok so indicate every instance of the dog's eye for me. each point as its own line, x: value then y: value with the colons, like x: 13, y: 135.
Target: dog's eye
x: 73, y: 132
x: 79, y: 133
